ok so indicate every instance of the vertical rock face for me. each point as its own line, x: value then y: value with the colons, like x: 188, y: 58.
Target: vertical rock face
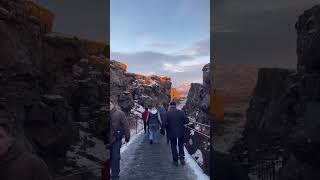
x: 128, y: 88
x: 198, y: 109
x: 198, y: 100
x: 308, y: 32
x: 50, y: 83
x: 282, y: 117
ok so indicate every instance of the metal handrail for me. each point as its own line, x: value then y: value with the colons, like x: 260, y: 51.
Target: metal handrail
x: 197, y: 131
x: 201, y: 124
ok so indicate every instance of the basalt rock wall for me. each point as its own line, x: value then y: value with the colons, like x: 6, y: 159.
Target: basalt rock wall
x: 49, y: 83
x: 282, y: 119
x: 130, y: 88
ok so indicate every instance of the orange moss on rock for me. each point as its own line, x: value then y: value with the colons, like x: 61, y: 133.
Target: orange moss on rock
x: 44, y: 15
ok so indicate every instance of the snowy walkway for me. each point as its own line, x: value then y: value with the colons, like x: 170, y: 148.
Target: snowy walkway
x: 140, y: 161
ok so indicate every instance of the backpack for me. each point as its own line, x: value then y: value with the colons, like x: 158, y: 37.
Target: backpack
x: 153, y: 119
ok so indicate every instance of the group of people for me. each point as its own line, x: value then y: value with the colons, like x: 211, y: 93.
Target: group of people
x: 152, y: 121
x: 156, y: 120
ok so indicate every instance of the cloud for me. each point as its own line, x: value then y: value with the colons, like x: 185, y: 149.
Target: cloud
x: 147, y: 61
x: 182, y: 68
x: 201, y: 48
x: 183, y: 63
x: 186, y: 66
x: 161, y: 45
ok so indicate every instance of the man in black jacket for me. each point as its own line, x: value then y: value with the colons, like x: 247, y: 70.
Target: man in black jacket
x: 174, y: 121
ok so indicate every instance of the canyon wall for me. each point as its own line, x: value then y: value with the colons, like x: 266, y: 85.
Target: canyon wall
x: 197, y: 108
x: 130, y: 88
x: 54, y: 91
x: 282, y: 119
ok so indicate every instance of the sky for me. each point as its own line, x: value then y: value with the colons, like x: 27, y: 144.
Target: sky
x: 257, y: 32
x: 84, y: 18
x: 163, y: 37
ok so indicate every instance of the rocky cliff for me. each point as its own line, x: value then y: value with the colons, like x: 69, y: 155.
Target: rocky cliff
x: 198, y: 110
x: 198, y: 99
x: 282, y: 121
x: 55, y: 91
x: 130, y: 88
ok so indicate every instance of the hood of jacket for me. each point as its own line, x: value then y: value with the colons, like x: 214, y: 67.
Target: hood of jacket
x: 153, y: 111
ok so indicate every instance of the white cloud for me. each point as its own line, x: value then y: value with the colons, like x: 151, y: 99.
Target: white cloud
x: 183, y: 64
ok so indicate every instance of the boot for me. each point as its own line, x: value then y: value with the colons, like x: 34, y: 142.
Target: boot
x: 175, y: 163
x: 182, y: 162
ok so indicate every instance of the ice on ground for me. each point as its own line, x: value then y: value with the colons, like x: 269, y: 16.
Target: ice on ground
x: 132, y: 140
x: 195, y: 167
x: 198, y: 157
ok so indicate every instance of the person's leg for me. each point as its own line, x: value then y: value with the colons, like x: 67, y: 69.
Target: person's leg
x: 174, y: 149
x: 167, y: 136
x: 151, y: 135
x: 156, y: 135
x: 115, y: 158
x: 145, y: 127
x: 181, y: 149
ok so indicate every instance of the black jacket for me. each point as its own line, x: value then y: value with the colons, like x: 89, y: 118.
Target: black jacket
x: 174, y: 122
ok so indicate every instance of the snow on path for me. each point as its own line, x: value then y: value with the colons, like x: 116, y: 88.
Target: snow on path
x: 195, y: 167
x: 189, y: 160
x: 132, y: 140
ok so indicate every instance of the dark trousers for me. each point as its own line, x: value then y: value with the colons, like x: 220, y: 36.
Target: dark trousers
x: 145, y: 126
x: 115, y: 158
x: 174, y: 151
x: 167, y: 134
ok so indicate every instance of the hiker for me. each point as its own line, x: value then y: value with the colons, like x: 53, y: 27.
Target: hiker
x: 153, y: 122
x: 162, y: 112
x: 15, y: 161
x: 144, y: 118
x: 119, y: 128
x: 174, y: 122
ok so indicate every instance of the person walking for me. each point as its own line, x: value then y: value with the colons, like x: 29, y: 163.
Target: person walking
x: 153, y: 122
x: 119, y: 128
x: 174, y: 121
x: 162, y: 112
x: 15, y: 161
x: 144, y: 118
